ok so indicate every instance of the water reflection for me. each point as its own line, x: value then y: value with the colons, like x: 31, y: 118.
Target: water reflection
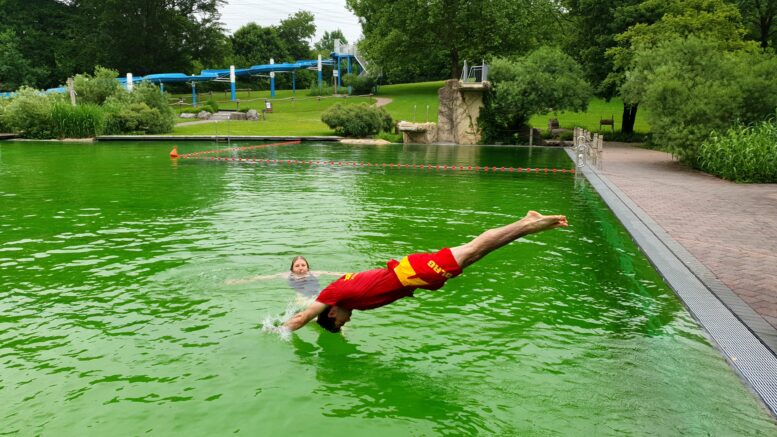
x: 377, y: 386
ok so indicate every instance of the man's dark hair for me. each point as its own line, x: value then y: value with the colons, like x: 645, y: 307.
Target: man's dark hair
x: 327, y: 322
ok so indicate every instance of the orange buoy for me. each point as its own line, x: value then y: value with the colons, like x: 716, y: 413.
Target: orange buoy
x: 174, y: 152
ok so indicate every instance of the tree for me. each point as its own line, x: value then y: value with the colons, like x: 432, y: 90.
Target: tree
x: 40, y: 33
x: 296, y: 31
x: 759, y: 15
x: 151, y: 36
x: 413, y: 40
x: 546, y: 80
x: 592, y: 26
x: 96, y: 88
x: 15, y: 69
x: 326, y: 44
x: 692, y: 87
x: 660, y: 20
x: 253, y: 44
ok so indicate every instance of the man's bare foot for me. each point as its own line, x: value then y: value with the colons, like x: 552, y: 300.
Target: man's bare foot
x: 536, y: 222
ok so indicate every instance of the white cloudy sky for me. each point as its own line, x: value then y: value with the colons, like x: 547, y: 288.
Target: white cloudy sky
x: 330, y: 15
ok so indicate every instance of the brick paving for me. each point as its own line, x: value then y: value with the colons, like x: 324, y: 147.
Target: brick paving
x: 730, y: 228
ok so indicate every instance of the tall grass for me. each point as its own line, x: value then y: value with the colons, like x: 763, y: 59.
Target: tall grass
x: 82, y: 121
x: 742, y: 153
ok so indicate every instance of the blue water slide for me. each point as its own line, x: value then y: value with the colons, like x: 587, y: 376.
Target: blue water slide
x: 211, y: 75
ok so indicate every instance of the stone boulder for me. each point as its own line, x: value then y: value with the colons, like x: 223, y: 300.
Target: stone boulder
x: 203, y: 115
x: 418, y: 133
x: 252, y: 114
x: 188, y: 115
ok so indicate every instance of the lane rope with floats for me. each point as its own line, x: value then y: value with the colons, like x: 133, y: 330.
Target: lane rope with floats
x: 352, y: 164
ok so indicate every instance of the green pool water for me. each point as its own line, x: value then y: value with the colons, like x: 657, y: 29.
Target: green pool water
x: 116, y: 317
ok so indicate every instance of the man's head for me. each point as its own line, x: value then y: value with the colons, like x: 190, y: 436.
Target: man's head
x: 333, y: 318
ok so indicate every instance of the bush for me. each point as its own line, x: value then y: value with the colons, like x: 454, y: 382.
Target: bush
x: 360, y: 84
x: 360, y: 120
x: 211, y: 106
x: 97, y: 88
x: 742, y: 153
x: 4, y: 127
x: 79, y: 121
x: 545, y: 81
x: 144, y: 110
x: 135, y: 118
x: 690, y: 88
x: 29, y: 114
x: 323, y: 90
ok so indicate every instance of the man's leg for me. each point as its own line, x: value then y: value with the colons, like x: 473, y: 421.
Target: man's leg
x: 493, y: 239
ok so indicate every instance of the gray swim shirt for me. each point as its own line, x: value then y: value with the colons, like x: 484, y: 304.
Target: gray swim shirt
x: 307, y: 286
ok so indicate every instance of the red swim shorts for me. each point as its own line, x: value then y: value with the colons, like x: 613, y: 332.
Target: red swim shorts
x: 426, y: 270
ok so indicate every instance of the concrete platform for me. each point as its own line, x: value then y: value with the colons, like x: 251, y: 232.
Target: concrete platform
x: 715, y: 244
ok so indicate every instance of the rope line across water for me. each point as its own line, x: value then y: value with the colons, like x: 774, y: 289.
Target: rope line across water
x: 236, y: 149
x: 368, y: 164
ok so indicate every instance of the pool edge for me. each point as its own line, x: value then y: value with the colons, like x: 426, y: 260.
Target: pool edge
x: 744, y: 338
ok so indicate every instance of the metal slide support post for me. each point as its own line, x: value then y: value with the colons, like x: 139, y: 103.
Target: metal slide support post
x: 232, y: 81
x: 339, y: 83
x: 293, y: 83
x: 272, y: 79
x: 349, y: 72
x: 319, y: 71
x: 161, y: 87
x: 194, y: 94
x: 129, y: 82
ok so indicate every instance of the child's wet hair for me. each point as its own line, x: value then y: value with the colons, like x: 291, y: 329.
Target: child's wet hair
x: 298, y: 257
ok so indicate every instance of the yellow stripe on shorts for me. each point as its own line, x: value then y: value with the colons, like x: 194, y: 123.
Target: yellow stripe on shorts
x: 405, y: 273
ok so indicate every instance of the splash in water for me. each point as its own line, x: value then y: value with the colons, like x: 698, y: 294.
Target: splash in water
x: 273, y: 323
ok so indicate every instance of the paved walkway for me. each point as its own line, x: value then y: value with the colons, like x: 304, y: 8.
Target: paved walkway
x: 730, y: 228
x: 383, y: 101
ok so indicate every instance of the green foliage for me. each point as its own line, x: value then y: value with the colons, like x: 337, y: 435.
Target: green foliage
x: 211, y: 106
x: 742, y: 153
x: 146, y: 37
x: 323, y: 90
x: 712, y: 20
x: 295, y: 31
x: 29, y: 114
x: 412, y: 41
x: 4, y: 127
x: 38, y: 45
x: 144, y: 110
x: 98, y: 87
x: 253, y: 44
x: 360, y: 84
x: 135, y: 118
x: 544, y: 81
x: 691, y: 88
x: 356, y: 120
x: 15, y: 69
x: 760, y: 17
x: 81, y: 121
x: 326, y: 44
x: 390, y: 137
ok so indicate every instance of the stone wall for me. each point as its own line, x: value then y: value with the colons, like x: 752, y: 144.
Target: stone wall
x: 457, y: 116
x: 458, y: 112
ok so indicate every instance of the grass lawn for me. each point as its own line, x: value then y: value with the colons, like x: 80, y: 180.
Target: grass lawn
x: 301, y: 114
x: 597, y: 109
x: 298, y: 116
x: 409, y: 101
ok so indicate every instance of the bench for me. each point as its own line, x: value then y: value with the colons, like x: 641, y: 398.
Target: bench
x: 607, y: 122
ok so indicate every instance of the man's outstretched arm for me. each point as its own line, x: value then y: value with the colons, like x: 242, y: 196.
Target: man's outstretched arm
x: 303, y: 317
